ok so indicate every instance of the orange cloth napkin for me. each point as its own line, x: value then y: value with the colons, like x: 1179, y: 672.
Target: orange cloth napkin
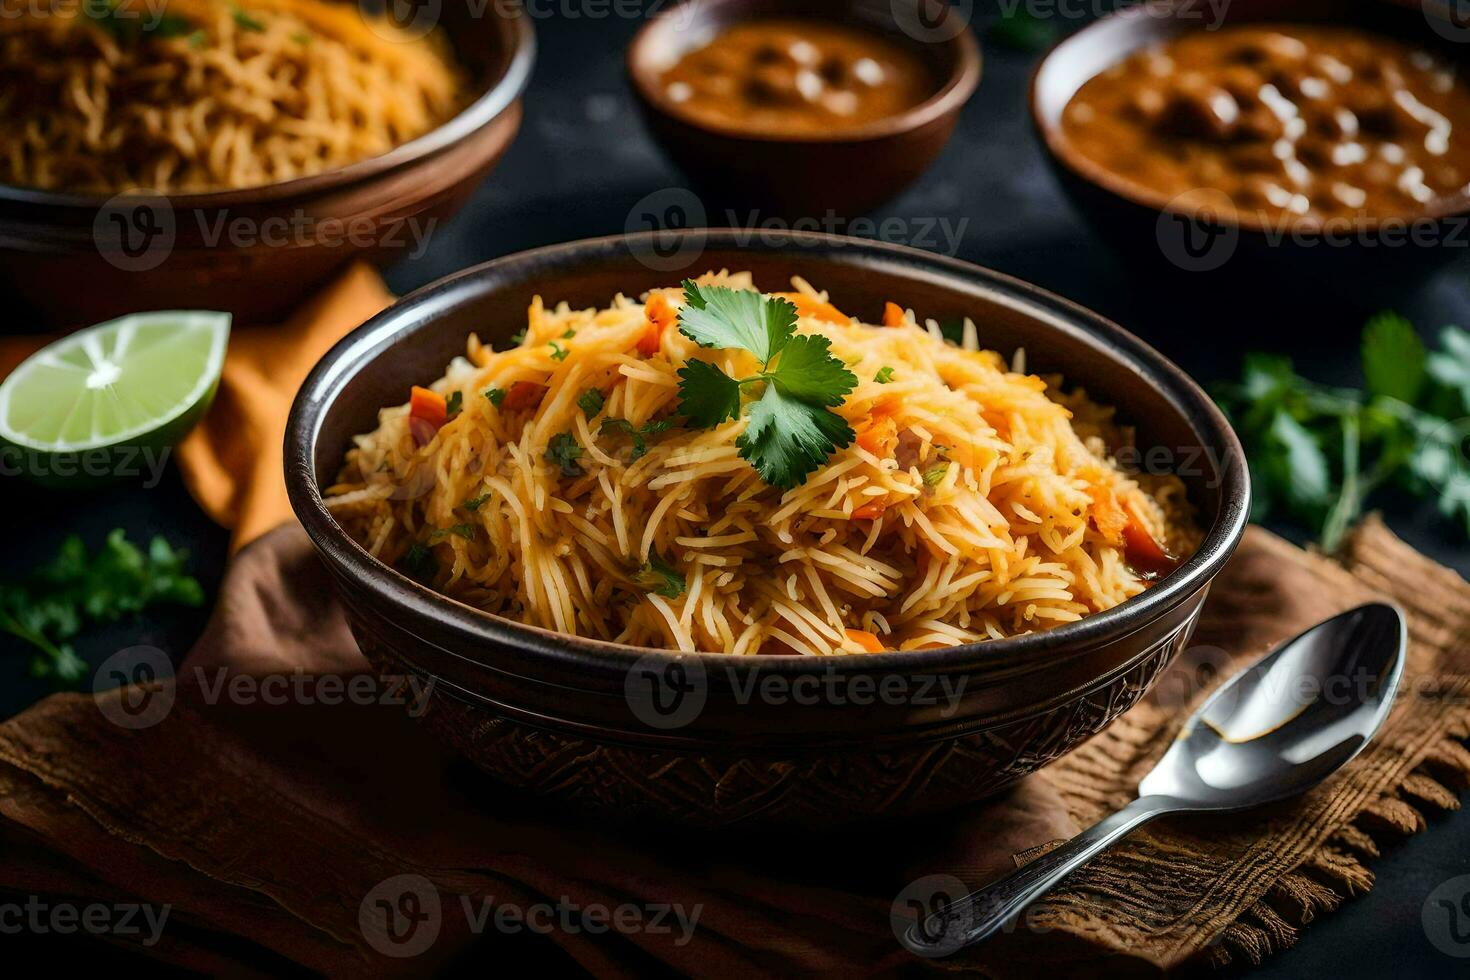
x: 232, y: 461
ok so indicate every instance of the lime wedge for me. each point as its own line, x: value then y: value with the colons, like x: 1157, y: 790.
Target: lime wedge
x: 74, y: 410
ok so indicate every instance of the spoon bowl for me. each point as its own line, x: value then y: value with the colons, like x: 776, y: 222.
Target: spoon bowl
x: 1273, y: 731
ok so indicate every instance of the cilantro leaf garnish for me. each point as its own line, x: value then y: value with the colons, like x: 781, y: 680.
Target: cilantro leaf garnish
x: 591, y: 402
x: 720, y: 317
x: 791, y: 430
x: 419, y: 563
x: 935, y: 475
x: 707, y: 395
x: 466, y: 531
x: 558, y: 352
x: 52, y: 605
x: 246, y: 22
x: 884, y: 375
x: 788, y: 439
x: 636, y: 435
x: 476, y: 502
x: 659, y: 577
x: 564, y: 451
x: 496, y: 396
x: 453, y: 404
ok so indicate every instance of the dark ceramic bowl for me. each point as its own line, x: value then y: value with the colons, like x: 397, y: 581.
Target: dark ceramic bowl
x: 847, y: 172
x: 717, y: 740
x: 1246, y: 258
x: 257, y: 252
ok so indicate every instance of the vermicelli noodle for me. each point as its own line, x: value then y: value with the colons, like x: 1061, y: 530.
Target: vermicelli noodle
x: 977, y: 502
x: 197, y: 95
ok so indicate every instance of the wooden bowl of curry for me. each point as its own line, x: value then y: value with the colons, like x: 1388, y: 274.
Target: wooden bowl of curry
x: 825, y: 107
x: 1312, y: 144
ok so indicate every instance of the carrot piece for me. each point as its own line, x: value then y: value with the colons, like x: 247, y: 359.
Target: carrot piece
x: 875, y: 435
x: 428, y: 406
x: 1142, y: 551
x: 524, y: 394
x: 1107, y: 514
x: 869, y: 512
x: 660, y: 316
x: 893, y: 315
x: 868, y: 641
x: 815, y: 308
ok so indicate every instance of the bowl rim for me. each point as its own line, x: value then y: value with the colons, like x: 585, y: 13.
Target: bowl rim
x: 949, y: 98
x: 503, y: 91
x: 425, y: 307
x: 1060, y: 150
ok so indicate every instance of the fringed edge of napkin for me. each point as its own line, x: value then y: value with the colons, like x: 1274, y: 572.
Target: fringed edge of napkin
x: 1338, y: 869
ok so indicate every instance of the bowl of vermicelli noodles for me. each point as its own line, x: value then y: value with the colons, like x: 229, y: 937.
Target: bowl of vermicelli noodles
x: 803, y: 533
x: 231, y: 154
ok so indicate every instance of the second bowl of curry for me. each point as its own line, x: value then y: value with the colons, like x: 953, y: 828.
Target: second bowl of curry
x: 802, y: 109
x: 1312, y: 142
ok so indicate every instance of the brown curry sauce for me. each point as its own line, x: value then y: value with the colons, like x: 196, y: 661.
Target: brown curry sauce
x: 1294, y: 123
x: 797, y: 78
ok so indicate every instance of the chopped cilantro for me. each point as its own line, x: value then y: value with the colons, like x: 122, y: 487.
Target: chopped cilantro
x: 466, y: 531
x: 564, y: 451
x: 591, y: 402
x: 301, y: 37
x: 791, y: 430
x: 496, y: 396
x: 558, y: 352
x: 419, y: 563
x: 637, y: 435
x: 50, y: 607
x: 884, y: 375
x: 659, y: 577
x: 518, y: 338
x: 935, y: 475
x: 569, y: 334
x: 476, y: 502
x: 453, y: 404
x: 246, y: 22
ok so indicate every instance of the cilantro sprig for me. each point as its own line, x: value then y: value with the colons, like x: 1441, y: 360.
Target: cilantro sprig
x: 791, y: 429
x: 54, y: 603
x: 1318, y: 453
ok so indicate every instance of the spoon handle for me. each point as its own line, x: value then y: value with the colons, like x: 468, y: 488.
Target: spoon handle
x: 979, y: 914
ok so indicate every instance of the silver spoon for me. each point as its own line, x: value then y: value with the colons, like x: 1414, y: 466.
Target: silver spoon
x: 1272, y: 731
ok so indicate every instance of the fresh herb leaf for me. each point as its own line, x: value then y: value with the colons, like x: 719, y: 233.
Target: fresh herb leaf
x: 935, y: 475
x: 495, y: 395
x: 52, y: 606
x: 246, y: 22
x: 787, y: 439
x: 952, y: 329
x: 419, y: 563
x: 659, y: 577
x: 1393, y: 358
x: 1450, y: 366
x: 716, y: 316
x: 518, y: 338
x: 884, y: 375
x: 198, y: 40
x: 476, y: 502
x: 466, y: 531
x: 301, y: 37
x: 591, y: 402
x: 808, y: 372
x: 707, y: 395
x: 564, y: 451
x: 1021, y: 29
x: 791, y: 431
x: 636, y: 435
x: 569, y: 334
x: 453, y: 404
x: 558, y: 352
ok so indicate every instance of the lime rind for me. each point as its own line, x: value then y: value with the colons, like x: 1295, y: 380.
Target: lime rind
x: 113, y: 369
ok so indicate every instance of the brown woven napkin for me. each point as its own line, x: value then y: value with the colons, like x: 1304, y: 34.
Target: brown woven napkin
x: 280, y: 826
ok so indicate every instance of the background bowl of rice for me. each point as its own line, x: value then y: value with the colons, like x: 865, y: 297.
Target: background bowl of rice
x: 258, y: 251
x: 716, y: 740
